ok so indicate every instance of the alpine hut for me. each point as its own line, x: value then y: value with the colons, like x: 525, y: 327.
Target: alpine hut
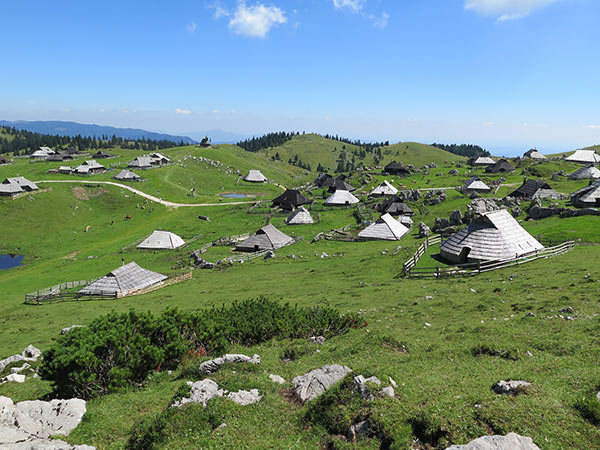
x: 65, y: 170
x: 584, y: 156
x: 158, y: 159
x: 89, y: 167
x: 534, y: 154
x: 324, y: 180
x: 501, y: 166
x: 124, y: 281
x: 340, y: 198
x: 588, y: 196
x: 406, y: 221
x: 384, y: 188
x: 476, y: 185
x: 16, y: 185
x: 255, y: 176
x: 395, y: 206
x: 290, y: 200
x: 42, y: 153
x: 127, y: 175
x: 585, y: 172
x: 300, y: 217
x: 205, y: 142
x: 59, y: 156
x: 395, y: 168
x: 385, y: 228
x: 494, y: 236
x: 100, y: 154
x: 3, y: 160
x: 267, y: 238
x: 481, y: 161
x: 140, y: 162
x: 339, y: 183
x: 531, y: 189
x: 161, y: 240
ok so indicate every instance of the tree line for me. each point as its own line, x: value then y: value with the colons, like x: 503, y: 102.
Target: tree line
x: 23, y: 142
x: 468, y: 150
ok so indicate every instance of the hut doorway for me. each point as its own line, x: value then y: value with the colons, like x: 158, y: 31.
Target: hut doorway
x: 464, y: 255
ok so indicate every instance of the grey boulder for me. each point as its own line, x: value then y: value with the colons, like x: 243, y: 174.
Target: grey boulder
x: 201, y: 392
x: 309, y: 386
x: 511, y: 441
x: 213, y: 365
x: 245, y: 398
x: 513, y: 387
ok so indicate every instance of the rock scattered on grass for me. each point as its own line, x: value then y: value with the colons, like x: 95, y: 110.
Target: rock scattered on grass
x: 67, y: 329
x: 201, y: 392
x: 511, y: 441
x: 213, y: 365
x: 360, y: 386
x: 13, y: 377
x: 317, y: 339
x: 512, y: 387
x: 309, y: 386
x: 277, y: 379
x: 244, y: 398
x: 30, y: 353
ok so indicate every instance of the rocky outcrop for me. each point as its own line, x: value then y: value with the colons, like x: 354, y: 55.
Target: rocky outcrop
x: 213, y: 365
x: 30, y: 353
x: 511, y: 441
x: 512, y: 387
x: 205, y: 390
x: 309, y: 386
x: 29, y: 424
x: 360, y: 386
x: 482, y: 205
x: 67, y: 329
x: 539, y: 212
x: 424, y: 230
x: 244, y: 398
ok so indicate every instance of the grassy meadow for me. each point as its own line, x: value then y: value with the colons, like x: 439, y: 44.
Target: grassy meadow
x: 445, y: 342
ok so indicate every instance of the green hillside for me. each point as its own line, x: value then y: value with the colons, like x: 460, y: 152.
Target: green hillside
x: 444, y: 341
x: 314, y: 150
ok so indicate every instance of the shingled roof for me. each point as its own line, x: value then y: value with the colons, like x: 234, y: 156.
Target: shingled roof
x: 290, y: 199
x: 585, y: 172
x: 340, y: 198
x: 395, y: 206
x: 529, y: 188
x: 494, y: 236
x: 501, y: 166
x: 124, y: 281
x: 588, y: 196
x: 267, y: 238
x: 339, y: 183
x: 482, y: 161
x: 533, y: 154
x: 300, y: 217
x: 126, y: 175
x: 255, y: 176
x: 384, y: 188
x: 395, y: 168
x: 141, y: 162
x: 584, y: 156
x: 476, y: 185
x: 161, y: 240
x: 385, y: 228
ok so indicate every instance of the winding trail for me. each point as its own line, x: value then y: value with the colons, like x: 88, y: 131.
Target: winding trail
x: 144, y: 195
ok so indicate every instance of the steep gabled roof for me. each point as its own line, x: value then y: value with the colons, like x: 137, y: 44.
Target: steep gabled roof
x: 475, y: 184
x: 385, y: 228
x: 126, y: 175
x: 21, y: 182
x: 123, y: 281
x: 255, y: 176
x: 161, y: 240
x: 585, y: 172
x: 141, y: 162
x: 482, y: 161
x: 340, y: 183
x: 341, y: 198
x: 384, y: 188
x: 290, y: 199
x: 587, y: 196
x: 267, y: 238
x: 300, y: 217
x: 324, y: 180
x: 533, y: 154
x: 494, y: 236
x: 395, y: 205
x: 528, y: 189
x: 501, y: 166
x: 394, y: 166
x: 584, y: 156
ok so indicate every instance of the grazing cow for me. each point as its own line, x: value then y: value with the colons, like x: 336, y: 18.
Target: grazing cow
x: 127, y: 217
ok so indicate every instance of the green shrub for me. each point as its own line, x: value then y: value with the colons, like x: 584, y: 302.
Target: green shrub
x: 119, y: 350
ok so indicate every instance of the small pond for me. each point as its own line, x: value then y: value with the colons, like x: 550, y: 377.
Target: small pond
x: 235, y: 196
x: 9, y: 261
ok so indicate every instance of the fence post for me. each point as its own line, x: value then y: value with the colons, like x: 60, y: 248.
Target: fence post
x: 478, y: 266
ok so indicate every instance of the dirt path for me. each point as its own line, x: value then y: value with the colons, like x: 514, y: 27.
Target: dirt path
x: 143, y: 194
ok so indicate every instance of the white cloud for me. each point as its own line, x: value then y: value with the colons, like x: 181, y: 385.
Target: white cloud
x: 353, y: 5
x: 506, y: 9
x: 591, y: 127
x: 191, y: 27
x: 256, y: 20
x: 185, y: 112
x: 382, y: 21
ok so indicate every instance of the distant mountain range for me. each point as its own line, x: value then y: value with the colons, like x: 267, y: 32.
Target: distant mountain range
x: 73, y: 129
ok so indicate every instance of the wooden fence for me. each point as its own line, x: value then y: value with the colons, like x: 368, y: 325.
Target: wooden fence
x: 409, y: 270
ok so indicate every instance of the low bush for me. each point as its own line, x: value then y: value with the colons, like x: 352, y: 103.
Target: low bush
x: 119, y: 350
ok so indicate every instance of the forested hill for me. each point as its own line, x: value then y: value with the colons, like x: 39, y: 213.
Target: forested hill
x: 72, y: 129
x: 467, y: 150
x: 23, y: 142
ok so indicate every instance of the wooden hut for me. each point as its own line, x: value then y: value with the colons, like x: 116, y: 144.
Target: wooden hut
x: 205, y: 142
x: 395, y: 168
x: 124, y: 281
x: 385, y: 228
x: 127, y: 175
x: 290, y: 200
x: 534, y: 189
x: 300, y: 217
x: 341, y: 198
x: 395, y: 206
x: 494, y: 236
x: 101, y: 154
x: 590, y: 172
x: 587, y: 197
x: 481, y: 161
x: 534, y: 154
x: 141, y: 162
x: 339, y: 183
x: 501, y: 166
x: 161, y: 240
x: 89, y: 167
x: 584, y: 157
x: 267, y: 238
x: 255, y: 176
x: 476, y: 185
x: 384, y: 188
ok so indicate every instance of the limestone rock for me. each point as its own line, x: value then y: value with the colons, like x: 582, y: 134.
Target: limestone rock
x: 424, y: 230
x: 388, y: 391
x: 358, y: 430
x: 213, y: 365
x: 20, y: 369
x: 513, y: 387
x: 44, y: 444
x: 511, y: 441
x: 13, y: 377
x: 277, y: 379
x: 360, y: 386
x: 201, y: 392
x: 314, y: 383
x: 317, y: 339
x: 67, y: 329
x: 31, y: 352
x: 245, y: 398
x: 456, y: 218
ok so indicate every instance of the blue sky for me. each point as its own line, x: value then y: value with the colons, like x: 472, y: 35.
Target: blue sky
x: 506, y: 74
